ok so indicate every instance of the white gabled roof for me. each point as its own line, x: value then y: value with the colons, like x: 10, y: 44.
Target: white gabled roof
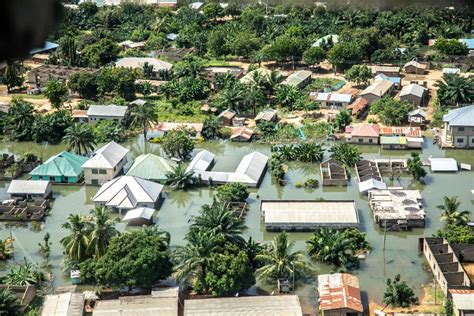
x: 252, y: 165
x: 443, y: 164
x: 371, y: 184
x: 107, y: 110
x: 140, y: 212
x: 202, y: 161
x: 418, y: 112
x: 460, y: 117
x: 28, y: 187
x: 378, y: 88
x: 107, y: 156
x: 413, y: 89
x: 126, y: 192
x: 138, y: 62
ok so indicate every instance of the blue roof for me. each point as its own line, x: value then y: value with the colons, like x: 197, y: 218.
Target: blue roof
x: 469, y: 42
x: 395, y: 80
x: 47, y: 47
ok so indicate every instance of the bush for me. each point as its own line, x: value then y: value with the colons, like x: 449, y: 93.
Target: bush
x: 298, y: 184
x: 311, y: 183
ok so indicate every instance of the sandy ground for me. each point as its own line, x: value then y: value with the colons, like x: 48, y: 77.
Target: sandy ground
x: 469, y: 267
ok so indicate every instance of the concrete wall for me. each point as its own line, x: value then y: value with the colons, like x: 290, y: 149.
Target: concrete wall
x: 340, y: 312
x: 363, y: 140
x: 58, y: 179
x: 103, y: 177
x: 96, y: 119
x: 463, y: 137
x: 412, y: 99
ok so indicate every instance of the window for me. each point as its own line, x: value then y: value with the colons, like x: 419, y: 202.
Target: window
x: 370, y: 140
x: 361, y: 140
x: 95, y: 171
x: 102, y: 171
x: 461, y: 129
x: 460, y: 140
x: 472, y: 140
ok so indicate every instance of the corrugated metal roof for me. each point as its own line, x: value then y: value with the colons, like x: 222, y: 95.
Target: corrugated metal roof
x: 443, y: 164
x: 138, y: 62
x: 469, y: 42
x: 140, y: 212
x: 253, y: 165
x: 393, y: 140
x: 418, y: 112
x: 126, y: 192
x: 382, y: 76
x: 28, y: 187
x: 266, y: 115
x: 371, y: 184
x: 63, y: 164
x: 296, y: 78
x: 276, y: 305
x: 169, y: 126
x: 107, y: 156
x: 151, y: 167
x: 143, y: 305
x: 378, y: 68
x: 415, y: 64
x: 65, y: 304
x: 47, y: 47
x: 413, y: 89
x: 202, y: 161
x: 378, y: 88
x: 460, y: 117
x: 339, y: 290
x: 243, y: 132
x: 363, y: 130
x: 112, y: 110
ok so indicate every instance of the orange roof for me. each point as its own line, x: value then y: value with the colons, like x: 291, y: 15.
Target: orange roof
x: 363, y: 130
x: 243, y: 131
x: 358, y: 106
x: 339, y: 290
x: 461, y: 291
x: 79, y: 113
x: 402, y: 131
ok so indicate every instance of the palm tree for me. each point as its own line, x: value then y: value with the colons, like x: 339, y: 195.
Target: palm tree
x: 103, y: 229
x: 451, y: 214
x: 254, y: 97
x: 19, y: 120
x: 191, y: 260
x: 232, y: 97
x: 455, y: 90
x: 77, y: 242
x: 348, y: 155
x: 284, y: 152
x: 279, y: 261
x: 143, y: 116
x: 179, y: 178
x: 80, y: 138
x: 331, y: 246
x: 220, y: 221
x: 287, y: 96
x: 9, y: 303
x: 309, y: 152
x: 25, y: 274
x: 273, y: 78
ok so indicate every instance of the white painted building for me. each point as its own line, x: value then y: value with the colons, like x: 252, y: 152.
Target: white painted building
x: 107, y: 162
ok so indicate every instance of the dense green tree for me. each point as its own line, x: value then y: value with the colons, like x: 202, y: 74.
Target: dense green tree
x: 19, y: 120
x: 277, y: 168
x: 145, y: 253
x: 285, y: 47
x: 455, y: 90
x: 12, y: 75
x: 148, y: 70
x: 308, y: 152
x: 68, y: 51
x: 100, y: 53
x: 415, y: 167
x: 344, y: 54
x: 216, y: 42
x: 232, y: 97
x: 143, y: 116
x: 456, y: 234
x: 279, y: 261
x: 212, y: 10
x: 51, y: 127
x: 254, y: 97
x: 399, y: 294
x: 107, y: 131
x: 181, y: 179
x: 85, y: 84
x: 45, y: 247
x: 210, y: 128
x: 103, y: 230
x: 348, y: 155
x: 314, y: 55
x: 360, y: 74
x: 448, y: 307
x: 24, y: 274
x: 451, y: 47
x: 76, y: 243
x: 232, y: 192
x: 80, y: 138
x: 9, y: 303
x: 287, y: 96
x: 177, y: 144
x: 391, y: 111
x: 221, y: 222
x: 343, y: 118
x: 56, y: 91
x: 451, y: 213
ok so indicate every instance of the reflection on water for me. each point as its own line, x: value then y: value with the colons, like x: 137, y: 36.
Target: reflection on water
x: 400, y: 255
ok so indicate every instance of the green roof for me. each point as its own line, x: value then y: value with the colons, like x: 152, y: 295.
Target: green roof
x: 393, y: 140
x: 63, y: 164
x: 151, y: 167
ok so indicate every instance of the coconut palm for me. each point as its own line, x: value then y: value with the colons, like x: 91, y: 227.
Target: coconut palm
x: 273, y: 78
x: 80, y: 138
x: 103, y: 229
x: 9, y: 303
x: 287, y: 96
x: 309, y: 152
x: 254, y: 97
x: 191, y: 260
x: 25, y: 274
x: 451, y: 214
x: 348, y: 155
x: 220, y: 221
x: 331, y: 246
x: 143, y: 116
x: 455, y: 90
x: 179, y: 178
x: 232, y: 97
x: 278, y: 260
x: 76, y: 243
x: 19, y: 120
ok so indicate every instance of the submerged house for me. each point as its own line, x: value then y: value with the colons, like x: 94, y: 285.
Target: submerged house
x: 30, y: 189
x: 402, y: 137
x: 107, y: 162
x: 458, y: 128
x: 307, y: 215
x: 65, y: 167
x: 129, y: 192
x: 151, y: 167
x: 241, y: 134
x: 333, y: 173
x: 97, y: 113
x: 362, y: 134
x: 339, y: 295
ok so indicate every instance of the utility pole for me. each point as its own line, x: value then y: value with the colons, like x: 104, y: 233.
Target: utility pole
x: 384, y: 234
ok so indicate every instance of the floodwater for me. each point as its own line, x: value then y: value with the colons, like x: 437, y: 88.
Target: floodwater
x: 401, y: 254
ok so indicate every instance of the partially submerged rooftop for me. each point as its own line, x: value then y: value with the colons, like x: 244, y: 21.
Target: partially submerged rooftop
x: 307, y: 215
x: 339, y: 291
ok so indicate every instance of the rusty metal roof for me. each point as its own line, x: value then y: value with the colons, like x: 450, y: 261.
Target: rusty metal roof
x: 339, y: 290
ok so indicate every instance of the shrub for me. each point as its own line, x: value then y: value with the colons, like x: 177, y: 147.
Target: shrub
x: 311, y: 183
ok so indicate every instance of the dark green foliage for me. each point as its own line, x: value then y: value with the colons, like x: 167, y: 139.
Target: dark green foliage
x: 210, y: 129
x: 456, y: 234
x: 277, y: 168
x: 344, y: 54
x: 51, y: 127
x: 143, y: 116
x: 391, y: 111
x: 448, y: 307
x: 304, y: 152
x: 12, y: 75
x: 232, y: 192
x: 451, y: 47
x: 181, y: 179
x: 455, y: 90
x: 24, y: 274
x: 399, y: 294
x: 145, y: 254
x: 85, y: 84
x: 19, y: 120
x: 56, y: 91
x: 415, y: 167
x: 80, y: 138
x: 343, y: 118
x: 451, y: 213
x: 348, y: 155
x: 314, y: 55
x: 101, y: 53
x: 360, y: 74
x: 177, y: 144
x: 9, y: 303
x: 106, y: 131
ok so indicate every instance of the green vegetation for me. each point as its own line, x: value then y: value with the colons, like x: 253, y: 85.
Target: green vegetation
x: 456, y: 234
x: 451, y: 47
x: 232, y: 192
x: 455, y: 90
x: 143, y: 116
x: 398, y: 293
x: 359, y: 74
x: 415, y: 167
x: 9, y: 303
x: 56, y: 91
x: 451, y: 214
x: 391, y: 111
x: 304, y: 152
x: 80, y: 139
x: 12, y: 76
x: 176, y: 143
x: 24, y: 274
x: 348, y: 155
x: 181, y: 179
